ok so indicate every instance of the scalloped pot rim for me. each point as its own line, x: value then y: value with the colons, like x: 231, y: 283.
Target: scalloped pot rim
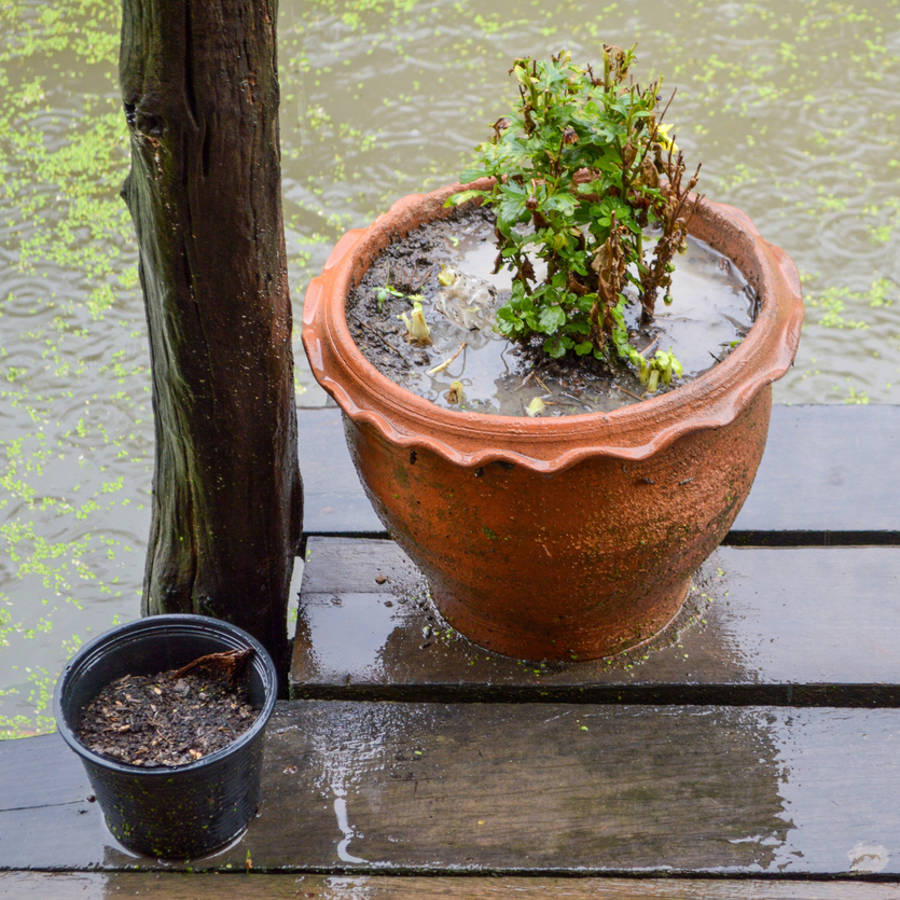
x: 633, y: 432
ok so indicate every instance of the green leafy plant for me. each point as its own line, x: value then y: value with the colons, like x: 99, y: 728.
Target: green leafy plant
x: 384, y: 293
x: 387, y: 290
x: 584, y: 173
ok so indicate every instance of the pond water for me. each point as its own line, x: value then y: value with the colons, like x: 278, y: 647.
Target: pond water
x: 791, y: 105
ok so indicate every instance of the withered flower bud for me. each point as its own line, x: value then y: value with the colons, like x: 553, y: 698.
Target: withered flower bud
x: 615, y: 61
x: 649, y: 175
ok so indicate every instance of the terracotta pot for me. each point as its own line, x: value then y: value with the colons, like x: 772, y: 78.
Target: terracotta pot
x: 570, y: 537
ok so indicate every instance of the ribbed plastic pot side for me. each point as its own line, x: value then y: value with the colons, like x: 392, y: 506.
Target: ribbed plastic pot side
x: 174, y: 812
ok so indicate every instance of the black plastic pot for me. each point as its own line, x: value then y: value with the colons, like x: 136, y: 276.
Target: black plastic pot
x: 175, y: 812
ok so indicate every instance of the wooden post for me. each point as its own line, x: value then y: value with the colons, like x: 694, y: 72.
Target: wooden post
x: 200, y: 91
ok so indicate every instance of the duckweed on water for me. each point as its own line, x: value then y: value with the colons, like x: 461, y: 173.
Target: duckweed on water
x: 378, y: 100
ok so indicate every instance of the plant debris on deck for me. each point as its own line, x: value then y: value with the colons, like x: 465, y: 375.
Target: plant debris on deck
x: 170, y: 718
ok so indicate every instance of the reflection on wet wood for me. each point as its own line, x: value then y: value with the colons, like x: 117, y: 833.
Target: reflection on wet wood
x: 507, y: 787
x: 524, y: 788
x: 93, y: 886
x: 825, y: 477
x: 763, y: 625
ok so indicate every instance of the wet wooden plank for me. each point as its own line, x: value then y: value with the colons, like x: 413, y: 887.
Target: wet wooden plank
x: 826, y: 473
x: 178, y: 886
x: 507, y: 787
x: 538, y: 789
x: 333, y: 498
x: 46, y: 817
x: 763, y: 625
x: 827, y: 469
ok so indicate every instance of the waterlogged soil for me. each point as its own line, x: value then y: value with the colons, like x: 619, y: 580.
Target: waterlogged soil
x: 469, y: 366
x: 167, y: 719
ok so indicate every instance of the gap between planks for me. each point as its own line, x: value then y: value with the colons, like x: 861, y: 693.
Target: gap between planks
x: 178, y: 886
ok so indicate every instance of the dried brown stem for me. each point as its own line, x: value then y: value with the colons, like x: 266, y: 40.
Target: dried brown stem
x: 229, y: 664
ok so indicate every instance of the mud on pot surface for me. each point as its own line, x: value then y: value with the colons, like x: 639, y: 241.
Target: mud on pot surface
x: 714, y: 308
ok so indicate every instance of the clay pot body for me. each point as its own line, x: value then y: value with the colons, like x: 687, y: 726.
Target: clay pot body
x: 569, y: 537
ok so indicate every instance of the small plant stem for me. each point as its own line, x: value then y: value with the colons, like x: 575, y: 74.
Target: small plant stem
x: 540, y: 381
x: 375, y: 333
x: 662, y: 115
x: 441, y: 366
x: 431, y: 271
x: 625, y: 390
x: 576, y: 401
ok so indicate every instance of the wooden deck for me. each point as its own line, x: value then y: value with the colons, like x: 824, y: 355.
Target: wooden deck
x: 751, y: 752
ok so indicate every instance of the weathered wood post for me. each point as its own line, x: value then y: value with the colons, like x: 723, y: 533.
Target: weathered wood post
x: 200, y: 90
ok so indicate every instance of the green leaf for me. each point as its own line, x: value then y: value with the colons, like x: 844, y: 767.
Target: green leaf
x: 508, y: 322
x: 461, y: 197
x: 562, y: 203
x: 557, y: 345
x: 551, y: 319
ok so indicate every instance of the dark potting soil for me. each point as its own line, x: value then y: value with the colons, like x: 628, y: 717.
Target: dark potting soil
x: 713, y: 310
x: 173, y: 717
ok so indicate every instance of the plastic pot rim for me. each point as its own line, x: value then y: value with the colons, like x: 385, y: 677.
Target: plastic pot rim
x: 161, y: 623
